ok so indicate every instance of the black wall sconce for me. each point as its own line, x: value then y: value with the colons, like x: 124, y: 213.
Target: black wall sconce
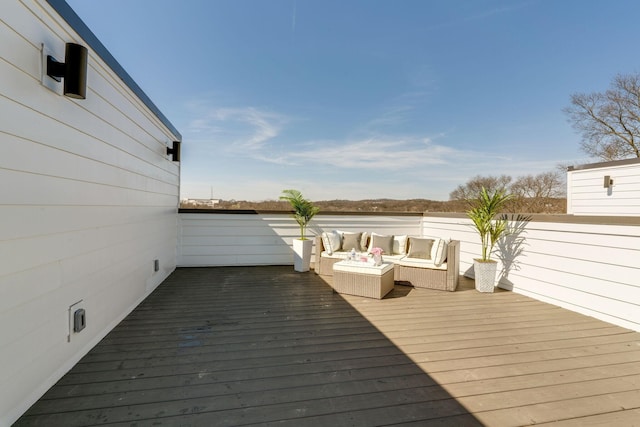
x: 174, y: 151
x: 608, y: 182
x: 73, y: 70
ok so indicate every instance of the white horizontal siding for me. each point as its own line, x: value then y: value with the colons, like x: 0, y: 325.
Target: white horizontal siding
x: 215, y: 239
x: 586, y: 194
x: 229, y: 239
x: 89, y: 202
x: 590, y: 268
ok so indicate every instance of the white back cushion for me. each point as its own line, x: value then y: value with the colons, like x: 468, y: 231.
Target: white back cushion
x: 439, y: 251
x: 400, y: 244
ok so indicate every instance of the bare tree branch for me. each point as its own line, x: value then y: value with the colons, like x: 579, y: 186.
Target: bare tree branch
x: 472, y: 188
x: 609, y: 122
x: 531, y: 194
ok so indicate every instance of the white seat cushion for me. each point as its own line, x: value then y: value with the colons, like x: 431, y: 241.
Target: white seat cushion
x: 392, y: 258
x: 421, y: 263
x: 335, y: 255
x: 344, y: 255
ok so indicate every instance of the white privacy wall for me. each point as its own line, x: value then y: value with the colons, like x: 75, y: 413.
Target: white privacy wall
x: 88, y: 201
x: 227, y: 239
x: 592, y: 268
x: 586, y: 194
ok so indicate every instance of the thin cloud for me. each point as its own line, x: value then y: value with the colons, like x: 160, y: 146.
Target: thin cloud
x: 479, y: 16
x: 393, y: 116
x: 391, y: 154
x: 399, y: 110
x: 246, y: 129
x: 256, y: 134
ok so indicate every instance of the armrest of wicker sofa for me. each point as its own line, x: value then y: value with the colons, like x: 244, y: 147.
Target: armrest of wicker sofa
x: 424, y: 277
x: 317, y: 257
x: 323, y: 265
x: 453, y: 268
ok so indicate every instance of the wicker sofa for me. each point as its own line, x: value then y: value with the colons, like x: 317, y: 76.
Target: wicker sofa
x: 410, y: 271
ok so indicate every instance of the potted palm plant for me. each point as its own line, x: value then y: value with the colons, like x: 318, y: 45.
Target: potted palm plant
x: 303, y: 211
x: 482, y: 214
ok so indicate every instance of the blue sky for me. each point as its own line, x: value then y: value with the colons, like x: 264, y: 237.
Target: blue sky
x: 358, y: 99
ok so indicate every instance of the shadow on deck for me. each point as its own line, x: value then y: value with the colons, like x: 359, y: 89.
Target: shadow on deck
x: 265, y: 345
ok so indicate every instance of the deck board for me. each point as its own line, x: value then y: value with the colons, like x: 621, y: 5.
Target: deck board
x: 268, y: 346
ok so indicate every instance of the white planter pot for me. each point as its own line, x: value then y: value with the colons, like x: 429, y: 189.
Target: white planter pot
x: 485, y: 275
x: 302, y: 254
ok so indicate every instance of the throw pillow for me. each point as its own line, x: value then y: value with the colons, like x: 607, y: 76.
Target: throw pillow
x: 370, y: 242
x: 351, y: 241
x: 439, y: 252
x: 363, y: 241
x: 420, y: 248
x: 335, y: 239
x: 326, y: 242
x: 383, y: 242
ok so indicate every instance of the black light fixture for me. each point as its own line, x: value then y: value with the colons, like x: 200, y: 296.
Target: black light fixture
x: 73, y: 70
x: 174, y: 151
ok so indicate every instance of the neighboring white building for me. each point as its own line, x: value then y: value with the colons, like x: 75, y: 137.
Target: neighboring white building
x: 88, y: 201
x: 608, y: 188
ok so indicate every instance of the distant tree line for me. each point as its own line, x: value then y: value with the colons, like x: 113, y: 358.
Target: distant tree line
x: 368, y: 205
x: 542, y: 193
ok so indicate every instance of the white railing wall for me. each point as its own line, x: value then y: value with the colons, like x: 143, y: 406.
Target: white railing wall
x: 588, y: 265
x: 228, y: 239
x: 585, y: 264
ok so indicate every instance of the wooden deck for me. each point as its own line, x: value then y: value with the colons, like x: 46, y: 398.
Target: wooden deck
x: 268, y: 346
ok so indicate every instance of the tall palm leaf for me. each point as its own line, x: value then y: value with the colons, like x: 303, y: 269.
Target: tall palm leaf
x: 486, y: 208
x: 303, y: 209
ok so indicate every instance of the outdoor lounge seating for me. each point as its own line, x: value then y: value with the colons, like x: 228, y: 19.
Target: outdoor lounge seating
x: 423, y: 262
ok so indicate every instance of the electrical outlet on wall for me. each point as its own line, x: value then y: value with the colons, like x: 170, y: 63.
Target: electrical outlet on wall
x: 77, y: 319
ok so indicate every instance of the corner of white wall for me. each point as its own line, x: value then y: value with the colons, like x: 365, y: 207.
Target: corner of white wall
x: 569, y: 192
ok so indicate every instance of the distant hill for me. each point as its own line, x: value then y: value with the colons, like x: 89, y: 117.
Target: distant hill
x: 555, y: 205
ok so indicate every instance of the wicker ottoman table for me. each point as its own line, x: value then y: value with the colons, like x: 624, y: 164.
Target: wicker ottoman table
x: 362, y: 279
